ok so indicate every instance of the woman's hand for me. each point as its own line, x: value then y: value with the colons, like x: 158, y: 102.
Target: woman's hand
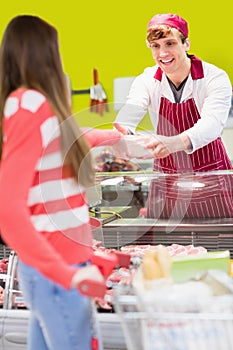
x: 123, y: 130
x: 90, y: 272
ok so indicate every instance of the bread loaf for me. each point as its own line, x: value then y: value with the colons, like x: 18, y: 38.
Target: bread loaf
x: 156, y: 264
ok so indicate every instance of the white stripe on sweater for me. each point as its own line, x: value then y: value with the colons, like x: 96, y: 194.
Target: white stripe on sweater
x: 51, y: 161
x: 32, y: 100
x: 49, y: 130
x: 54, y: 190
x: 61, y: 220
x: 11, y: 106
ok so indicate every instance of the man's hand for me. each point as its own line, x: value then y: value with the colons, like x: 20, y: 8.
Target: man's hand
x: 161, y: 146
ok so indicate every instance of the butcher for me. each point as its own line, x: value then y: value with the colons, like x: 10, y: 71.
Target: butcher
x: 188, y: 101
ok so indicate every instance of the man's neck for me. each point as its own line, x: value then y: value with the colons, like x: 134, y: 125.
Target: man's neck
x: 178, y: 77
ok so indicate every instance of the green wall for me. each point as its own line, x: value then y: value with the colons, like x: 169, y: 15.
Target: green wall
x: 110, y: 36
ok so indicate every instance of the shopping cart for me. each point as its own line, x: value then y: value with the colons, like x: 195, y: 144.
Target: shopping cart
x: 150, y: 324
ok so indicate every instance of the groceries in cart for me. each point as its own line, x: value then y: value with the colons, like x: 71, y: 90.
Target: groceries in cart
x: 154, y: 279
x: 160, y: 313
x: 184, y: 262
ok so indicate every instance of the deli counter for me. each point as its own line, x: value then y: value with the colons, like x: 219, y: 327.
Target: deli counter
x: 151, y: 208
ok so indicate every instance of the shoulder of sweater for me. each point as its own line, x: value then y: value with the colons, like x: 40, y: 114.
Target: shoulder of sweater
x: 27, y: 99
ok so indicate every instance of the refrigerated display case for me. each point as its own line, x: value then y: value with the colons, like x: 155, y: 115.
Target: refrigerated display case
x: 165, y: 209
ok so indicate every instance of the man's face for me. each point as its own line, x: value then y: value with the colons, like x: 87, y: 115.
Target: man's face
x: 170, y: 53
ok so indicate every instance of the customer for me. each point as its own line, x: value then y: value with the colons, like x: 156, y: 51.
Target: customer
x: 188, y: 101
x: 45, y: 167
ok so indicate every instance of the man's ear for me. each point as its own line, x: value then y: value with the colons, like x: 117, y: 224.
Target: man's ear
x: 187, y: 44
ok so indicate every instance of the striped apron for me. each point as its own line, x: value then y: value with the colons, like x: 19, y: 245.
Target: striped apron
x: 182, y: 191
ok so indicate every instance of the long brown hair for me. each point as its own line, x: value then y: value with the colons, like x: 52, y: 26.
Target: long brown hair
x: 29, y: 57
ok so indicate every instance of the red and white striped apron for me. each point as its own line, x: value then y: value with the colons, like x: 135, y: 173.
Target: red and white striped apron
x: 182, y: 192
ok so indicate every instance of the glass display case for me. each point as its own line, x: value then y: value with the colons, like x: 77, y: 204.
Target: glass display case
x: 145, y: 207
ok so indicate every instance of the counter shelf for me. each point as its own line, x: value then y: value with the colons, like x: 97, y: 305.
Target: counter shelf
x: 213, y: 234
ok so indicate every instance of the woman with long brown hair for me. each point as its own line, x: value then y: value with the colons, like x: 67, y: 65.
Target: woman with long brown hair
x: 45, y: 166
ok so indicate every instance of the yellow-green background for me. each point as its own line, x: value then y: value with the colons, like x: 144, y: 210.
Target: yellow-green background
x: 110, y: 36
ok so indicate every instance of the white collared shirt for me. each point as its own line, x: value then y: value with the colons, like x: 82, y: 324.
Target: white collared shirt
x: 212, y: 95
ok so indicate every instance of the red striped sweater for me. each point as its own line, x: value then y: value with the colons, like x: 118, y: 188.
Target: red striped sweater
x: 43, y: 212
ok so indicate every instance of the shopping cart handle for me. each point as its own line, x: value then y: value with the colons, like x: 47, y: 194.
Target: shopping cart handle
x: 106, y: 262
x: 124, y: 259
x: 92, y: 288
